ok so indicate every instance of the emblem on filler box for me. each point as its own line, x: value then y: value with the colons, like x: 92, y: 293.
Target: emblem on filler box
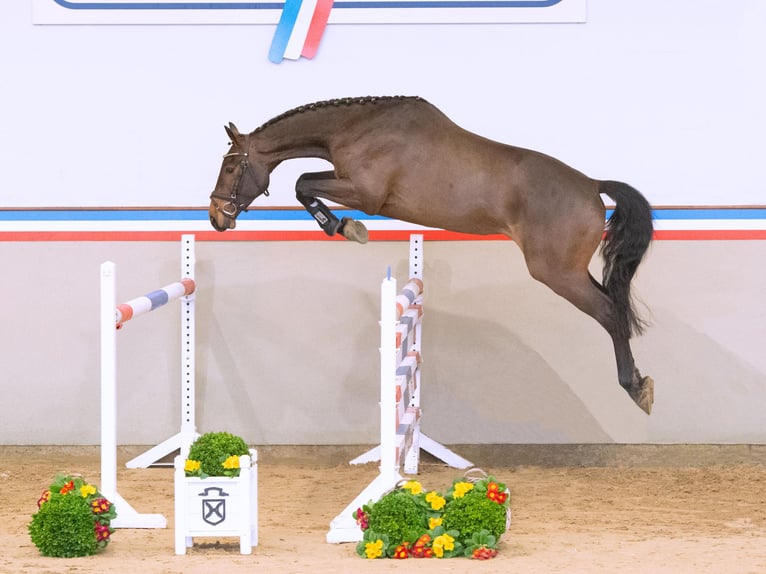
x: 213, y: 509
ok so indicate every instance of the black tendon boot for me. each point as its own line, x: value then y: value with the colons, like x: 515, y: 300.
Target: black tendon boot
x: 321, y: 214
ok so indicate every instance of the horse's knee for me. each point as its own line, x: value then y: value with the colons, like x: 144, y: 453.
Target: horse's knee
x: 301, y: 188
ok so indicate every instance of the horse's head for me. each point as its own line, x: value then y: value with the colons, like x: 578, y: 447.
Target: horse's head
x: 240, y: 181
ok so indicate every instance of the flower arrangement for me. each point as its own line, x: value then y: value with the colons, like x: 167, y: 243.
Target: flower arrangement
x: 215, y: 454
x: 408, y: 522
x: 72, y: 519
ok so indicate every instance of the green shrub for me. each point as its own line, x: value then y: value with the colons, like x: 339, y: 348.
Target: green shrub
x: 212, y: 449
x: 64, y: 527
x: 473, y: 513
x: 398, y: 516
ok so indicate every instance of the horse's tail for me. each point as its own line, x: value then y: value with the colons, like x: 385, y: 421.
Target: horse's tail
x: 628, y: 234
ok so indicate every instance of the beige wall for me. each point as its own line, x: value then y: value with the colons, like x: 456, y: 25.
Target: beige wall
x: 288, y: 345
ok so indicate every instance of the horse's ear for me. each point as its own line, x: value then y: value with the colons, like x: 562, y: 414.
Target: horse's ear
x: 232, y: 132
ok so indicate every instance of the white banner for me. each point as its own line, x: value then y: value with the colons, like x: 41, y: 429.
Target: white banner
x: 343, y: 11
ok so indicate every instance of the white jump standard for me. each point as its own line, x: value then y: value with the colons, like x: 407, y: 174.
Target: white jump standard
x: 400, y: 437
x: 112, y: 318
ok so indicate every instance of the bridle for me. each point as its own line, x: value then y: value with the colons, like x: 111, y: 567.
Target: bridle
x: 233, y: 205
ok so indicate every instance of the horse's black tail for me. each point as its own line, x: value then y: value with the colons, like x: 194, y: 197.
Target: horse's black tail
x: 628, y: 234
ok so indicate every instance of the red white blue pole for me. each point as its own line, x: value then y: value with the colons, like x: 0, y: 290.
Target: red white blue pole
x: 151, y: 301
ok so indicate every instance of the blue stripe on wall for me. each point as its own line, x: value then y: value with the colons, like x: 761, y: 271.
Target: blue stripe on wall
x: 107, y: 214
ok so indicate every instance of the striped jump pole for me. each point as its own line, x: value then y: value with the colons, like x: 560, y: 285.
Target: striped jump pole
x: 113, y: 317
x: 151, y: 301
x: 401, y: 314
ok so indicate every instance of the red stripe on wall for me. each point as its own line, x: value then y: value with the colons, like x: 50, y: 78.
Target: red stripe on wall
x: 710, y: 234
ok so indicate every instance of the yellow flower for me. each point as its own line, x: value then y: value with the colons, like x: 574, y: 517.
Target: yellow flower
x: 434, y: 522
x: 374, y: 549
x: 436, y: 501
x: 461, y: 488
x: 231, y: 462
x: 86, y: 490
x: 413, y: 486
x: 191, y: 465
x: 442, y: 543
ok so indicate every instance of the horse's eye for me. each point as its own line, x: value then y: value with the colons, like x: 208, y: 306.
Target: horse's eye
x: 229, y: 169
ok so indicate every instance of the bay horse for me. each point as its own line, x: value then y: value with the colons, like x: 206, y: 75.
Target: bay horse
x: 402, y: 158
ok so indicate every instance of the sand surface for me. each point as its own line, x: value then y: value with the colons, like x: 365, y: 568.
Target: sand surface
x: 568, y: 519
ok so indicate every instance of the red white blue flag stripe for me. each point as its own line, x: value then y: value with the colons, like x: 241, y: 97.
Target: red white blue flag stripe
x: 300, y: 29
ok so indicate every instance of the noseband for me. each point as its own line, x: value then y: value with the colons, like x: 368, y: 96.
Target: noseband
x: 234, y: 205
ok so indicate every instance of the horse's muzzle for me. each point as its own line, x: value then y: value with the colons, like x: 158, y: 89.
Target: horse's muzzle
x: 220, y: 221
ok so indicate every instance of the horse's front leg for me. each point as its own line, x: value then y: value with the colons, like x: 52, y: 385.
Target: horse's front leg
x: 325, y: 184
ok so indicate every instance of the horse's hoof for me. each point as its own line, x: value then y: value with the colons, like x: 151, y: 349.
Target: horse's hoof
x: 642, y: 394
x: 354, y: 230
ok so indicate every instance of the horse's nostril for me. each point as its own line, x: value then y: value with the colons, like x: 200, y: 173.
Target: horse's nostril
x: 215, y: 224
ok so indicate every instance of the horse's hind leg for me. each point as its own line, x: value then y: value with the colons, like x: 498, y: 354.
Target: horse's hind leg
x: 574, y: 283
x: 309, y: 185
x: 584, y: 293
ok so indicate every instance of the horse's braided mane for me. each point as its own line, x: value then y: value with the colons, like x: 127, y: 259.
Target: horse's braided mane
x: 334, y: 103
